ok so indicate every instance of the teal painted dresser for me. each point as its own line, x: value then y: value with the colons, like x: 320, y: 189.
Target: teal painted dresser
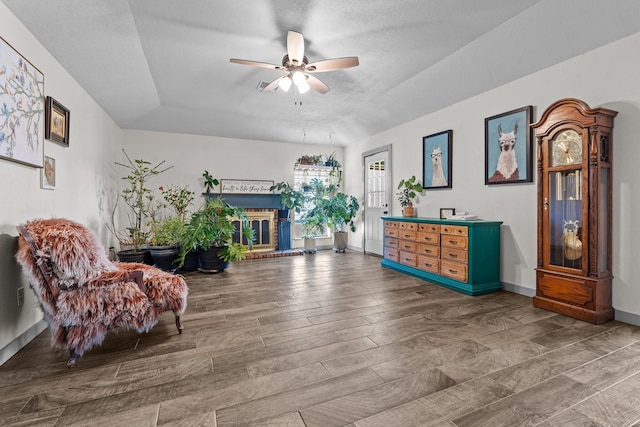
x: 461, y: 255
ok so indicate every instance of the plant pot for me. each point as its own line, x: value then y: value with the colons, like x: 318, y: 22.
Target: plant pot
x: 310, y: 245
x: 209, y: 261
x: 164, y: 256
x: 132, y: 255
x: 340, y: 239
x: 408, y: 211
x: 191, y: 261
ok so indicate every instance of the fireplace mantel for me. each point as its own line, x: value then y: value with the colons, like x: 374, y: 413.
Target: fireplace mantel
x: 255, y: 201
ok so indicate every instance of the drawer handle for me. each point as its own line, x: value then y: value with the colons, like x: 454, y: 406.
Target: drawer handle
x: 453, y: 271
x: 453, y: 255
x: 407, y: 259
x: 427, y: 265
x: 453, y: 242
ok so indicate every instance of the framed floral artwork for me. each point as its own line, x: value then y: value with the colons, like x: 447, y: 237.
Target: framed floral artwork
x: 21, y: 108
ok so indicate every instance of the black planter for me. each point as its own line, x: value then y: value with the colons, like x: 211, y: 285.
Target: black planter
x: 191, y: 261
x: 131, y: 255
x: 210, y: 263
x: 164, y: 257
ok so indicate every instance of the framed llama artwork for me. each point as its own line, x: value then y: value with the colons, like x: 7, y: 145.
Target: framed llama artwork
x: 437, y: 160
x: 507, y: 147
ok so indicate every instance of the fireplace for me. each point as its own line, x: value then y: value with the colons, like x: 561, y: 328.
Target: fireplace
x: 265, y: 213
x: 263, y: 222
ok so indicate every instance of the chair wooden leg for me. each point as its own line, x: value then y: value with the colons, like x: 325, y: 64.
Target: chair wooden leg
x: 73, y: 358
x: 178, y: 324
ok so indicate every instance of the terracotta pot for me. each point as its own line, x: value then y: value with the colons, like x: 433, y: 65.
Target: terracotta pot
x: 408, y: 211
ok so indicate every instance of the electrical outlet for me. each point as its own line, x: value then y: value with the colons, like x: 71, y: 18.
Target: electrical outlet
x: 20, y: 297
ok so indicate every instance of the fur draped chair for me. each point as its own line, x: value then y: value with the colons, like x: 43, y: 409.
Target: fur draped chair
x: 83, y: 294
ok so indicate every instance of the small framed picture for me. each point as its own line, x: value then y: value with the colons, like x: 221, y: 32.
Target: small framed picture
x: 508, y: 150
x: 437, y: 160
x: 48, y: 174
x: 56, y: 122
x: 447, y: 212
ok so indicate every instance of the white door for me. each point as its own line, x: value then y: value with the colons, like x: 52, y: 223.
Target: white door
x: 377, y: 182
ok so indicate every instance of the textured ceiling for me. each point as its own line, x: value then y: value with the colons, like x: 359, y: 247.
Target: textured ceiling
x: 164, y: 65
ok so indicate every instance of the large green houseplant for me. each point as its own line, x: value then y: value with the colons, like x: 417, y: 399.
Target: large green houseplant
x: 341, y: 210
x: 210, y: 231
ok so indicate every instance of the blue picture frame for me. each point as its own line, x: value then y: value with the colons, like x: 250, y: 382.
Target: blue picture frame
x: 437, y: 160
x: 508, y: 150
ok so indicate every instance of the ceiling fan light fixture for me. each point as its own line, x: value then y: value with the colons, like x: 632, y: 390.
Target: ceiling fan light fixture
x: 285, y: 83
x: 303, y: 86
x: 299, y: 77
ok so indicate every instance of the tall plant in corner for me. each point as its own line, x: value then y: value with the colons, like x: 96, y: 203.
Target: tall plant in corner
x: 139, y: 199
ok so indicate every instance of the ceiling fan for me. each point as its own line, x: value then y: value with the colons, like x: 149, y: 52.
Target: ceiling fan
x: 297, y: 68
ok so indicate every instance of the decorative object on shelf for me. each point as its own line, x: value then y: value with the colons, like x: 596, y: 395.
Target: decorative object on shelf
x: 409, y: 189
x: 447, y: 213
x: 245, y: 186
x: 460, y: 255
x: 209, y: 182
x: 507, y: 147
x: 48, y: 174
x: 21, y: 108
x: 310, y: 160
x: 437, y: 153
x: 57, y: 118
x: 574, y: 271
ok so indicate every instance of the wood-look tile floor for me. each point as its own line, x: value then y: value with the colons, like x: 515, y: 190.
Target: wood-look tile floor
x: 332, y: 340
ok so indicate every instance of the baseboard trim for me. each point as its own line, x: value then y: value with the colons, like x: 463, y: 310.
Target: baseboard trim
x: 520, y: 290
x: 25, y: 338
x: 630, y: 318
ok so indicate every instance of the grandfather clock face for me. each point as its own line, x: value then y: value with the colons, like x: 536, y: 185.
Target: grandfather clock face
x: 566, y: 149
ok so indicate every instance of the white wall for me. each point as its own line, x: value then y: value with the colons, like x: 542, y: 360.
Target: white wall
x: 606, y: 77
x: 85, y: 179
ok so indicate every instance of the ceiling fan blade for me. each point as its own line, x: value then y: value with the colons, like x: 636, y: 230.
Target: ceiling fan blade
x: 295, y: 47
x: 333, y: 64
x: 317, y: 85
x: 256, y: 64
x: 271, y: 87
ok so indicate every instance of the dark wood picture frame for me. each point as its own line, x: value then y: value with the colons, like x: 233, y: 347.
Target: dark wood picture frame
x: 57, y: 118
x: 508, y: 154
x: 437, y: 160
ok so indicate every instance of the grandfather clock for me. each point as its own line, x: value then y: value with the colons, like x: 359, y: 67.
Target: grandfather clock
x: 573, y: 276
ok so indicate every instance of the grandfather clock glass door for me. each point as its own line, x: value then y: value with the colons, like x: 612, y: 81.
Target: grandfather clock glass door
x: 564, y: 195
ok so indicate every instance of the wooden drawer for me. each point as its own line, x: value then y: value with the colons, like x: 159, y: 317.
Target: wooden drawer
x: 459, y: 242
x: 408, y: 258
x: 428, y: 250
x: 407, y: 235
x: 456, y: 230
x: 391, y: 254
x: 429, y: 228
x: 429, y: 238
x: 432, y: 265
x: 391, y: 224
x: 391, y: 232
x: 457, y: 255
x: 453, y: 270
x: 408, y: 226
x: 391, y: 242
x: 407, y: 245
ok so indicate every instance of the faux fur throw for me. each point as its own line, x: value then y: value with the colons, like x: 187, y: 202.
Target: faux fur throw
x: 95, y: 294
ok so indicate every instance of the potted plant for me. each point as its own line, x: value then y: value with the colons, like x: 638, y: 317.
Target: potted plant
x: 166, y: 240
x: 210, y: 230
x: 209, y: 182
x: 139, y: 199
x: 292, y: 200
x: 341, y: 209
x: 409, y: 189
x: 315, y: 219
